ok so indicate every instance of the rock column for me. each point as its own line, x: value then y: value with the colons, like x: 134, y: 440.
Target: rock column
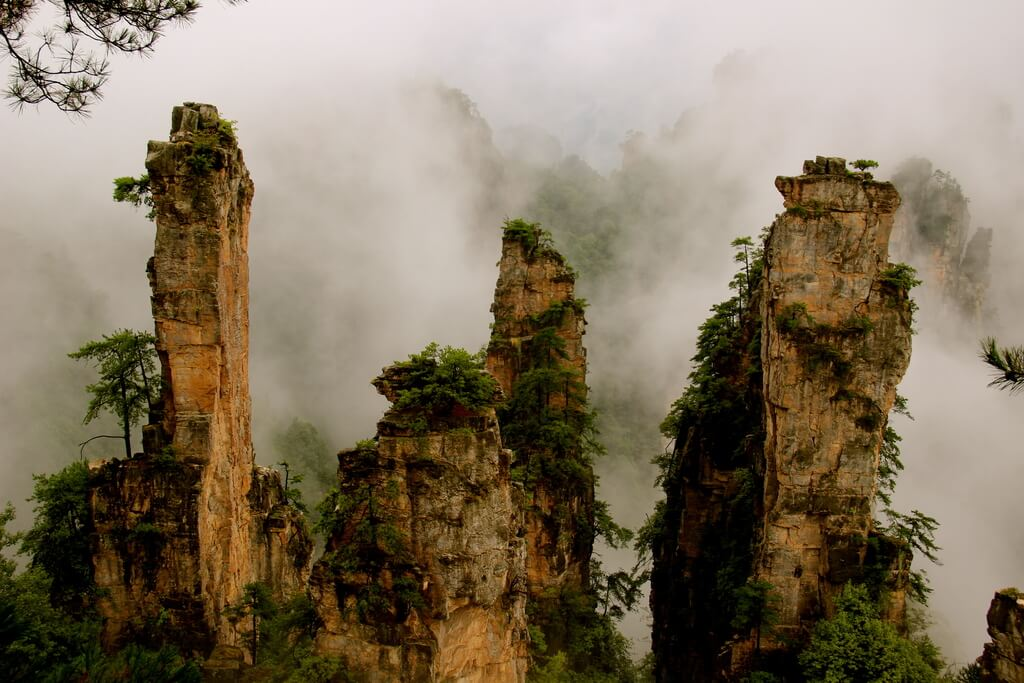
x: 835, y: 343
x: 236, y: 532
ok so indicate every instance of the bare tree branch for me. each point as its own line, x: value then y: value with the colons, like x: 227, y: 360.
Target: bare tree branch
x: 67, y: 63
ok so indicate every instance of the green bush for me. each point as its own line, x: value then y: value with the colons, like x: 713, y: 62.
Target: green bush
x: 857, y: 645
x: 439, y: 379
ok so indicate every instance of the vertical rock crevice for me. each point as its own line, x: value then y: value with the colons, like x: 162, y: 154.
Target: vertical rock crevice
x: 233, y: 514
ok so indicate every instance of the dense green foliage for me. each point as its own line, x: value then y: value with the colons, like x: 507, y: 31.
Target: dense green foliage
x: 58, y: 542
x: 438, y: 379
x: 591, y: 648
x: 135, y: 191
x: 364, y: 541
x: 857, y: 646
x: 48, y: 631
x: 280, y: 638
x: 528, y: 234
x: 128, y: 386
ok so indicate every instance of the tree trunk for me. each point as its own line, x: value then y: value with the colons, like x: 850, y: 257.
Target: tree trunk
x: 126, y: 420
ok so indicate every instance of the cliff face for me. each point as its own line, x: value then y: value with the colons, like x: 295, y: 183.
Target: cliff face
x: 1003, y: 660
x: 835, y: 343
x: 230, y: 515
x: 536, y: 352
x: 774, y: 472
x: 424, y: 574
x: 932, y: 231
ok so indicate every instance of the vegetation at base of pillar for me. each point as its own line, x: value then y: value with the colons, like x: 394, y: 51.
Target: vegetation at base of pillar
x: 718, y: 414
x: 128, y: 385
x: 280, y: 638
x: 1008, y: 363
x: 365, y: 541
x: 857, y: 645
x: 58, y: 541
x: 572, y: 641
x: 49, y: 630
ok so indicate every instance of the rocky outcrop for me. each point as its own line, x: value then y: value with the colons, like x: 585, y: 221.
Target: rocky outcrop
x: 835, y: 343
x: 194, y: 511
x: 423, y: 578
x: 931, y: 233
x: 536, y: 352
x: 1003, y: 659
x: 771, y: 485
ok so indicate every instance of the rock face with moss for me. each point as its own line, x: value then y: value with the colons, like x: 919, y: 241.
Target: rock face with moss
x: 769, y: 490
x: 932, y: 232
x: 1003, y: 660
x: 183, y: 527
x: 836, y: 322
x: 423, y: 578
x: 536, y: 352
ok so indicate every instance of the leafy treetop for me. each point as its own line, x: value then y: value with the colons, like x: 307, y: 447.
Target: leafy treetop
x: 438, y: 379
x: 128, y: 385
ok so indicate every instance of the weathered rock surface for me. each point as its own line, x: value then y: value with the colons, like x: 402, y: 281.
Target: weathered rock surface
x: 774, y: 472
x: 931, y: 232
x: 225, y: 522
x: 835, y: 343
x: 535, y: 310
x: 1003, y: 659
x: 424, y: 574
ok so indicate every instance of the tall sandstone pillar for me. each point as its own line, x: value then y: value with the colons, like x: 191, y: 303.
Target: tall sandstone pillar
x: 536, y: 352
x: 216, y: 521
x: 774, y: 472
x: 835, y: 343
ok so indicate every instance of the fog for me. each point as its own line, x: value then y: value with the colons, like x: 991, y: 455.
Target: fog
x: 379, y: 196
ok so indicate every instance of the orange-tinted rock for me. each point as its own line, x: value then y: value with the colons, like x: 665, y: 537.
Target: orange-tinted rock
x: 234, y: 515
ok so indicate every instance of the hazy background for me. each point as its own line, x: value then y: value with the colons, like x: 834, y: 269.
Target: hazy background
x: 379, y: 196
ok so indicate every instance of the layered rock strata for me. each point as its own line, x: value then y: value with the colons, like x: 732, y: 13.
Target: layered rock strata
x: 835, y: 343
x: 1003, y: 659
x: 194, y: 512
x: 536, y: 352
x: 423, y: 578
x: 772, y: 481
